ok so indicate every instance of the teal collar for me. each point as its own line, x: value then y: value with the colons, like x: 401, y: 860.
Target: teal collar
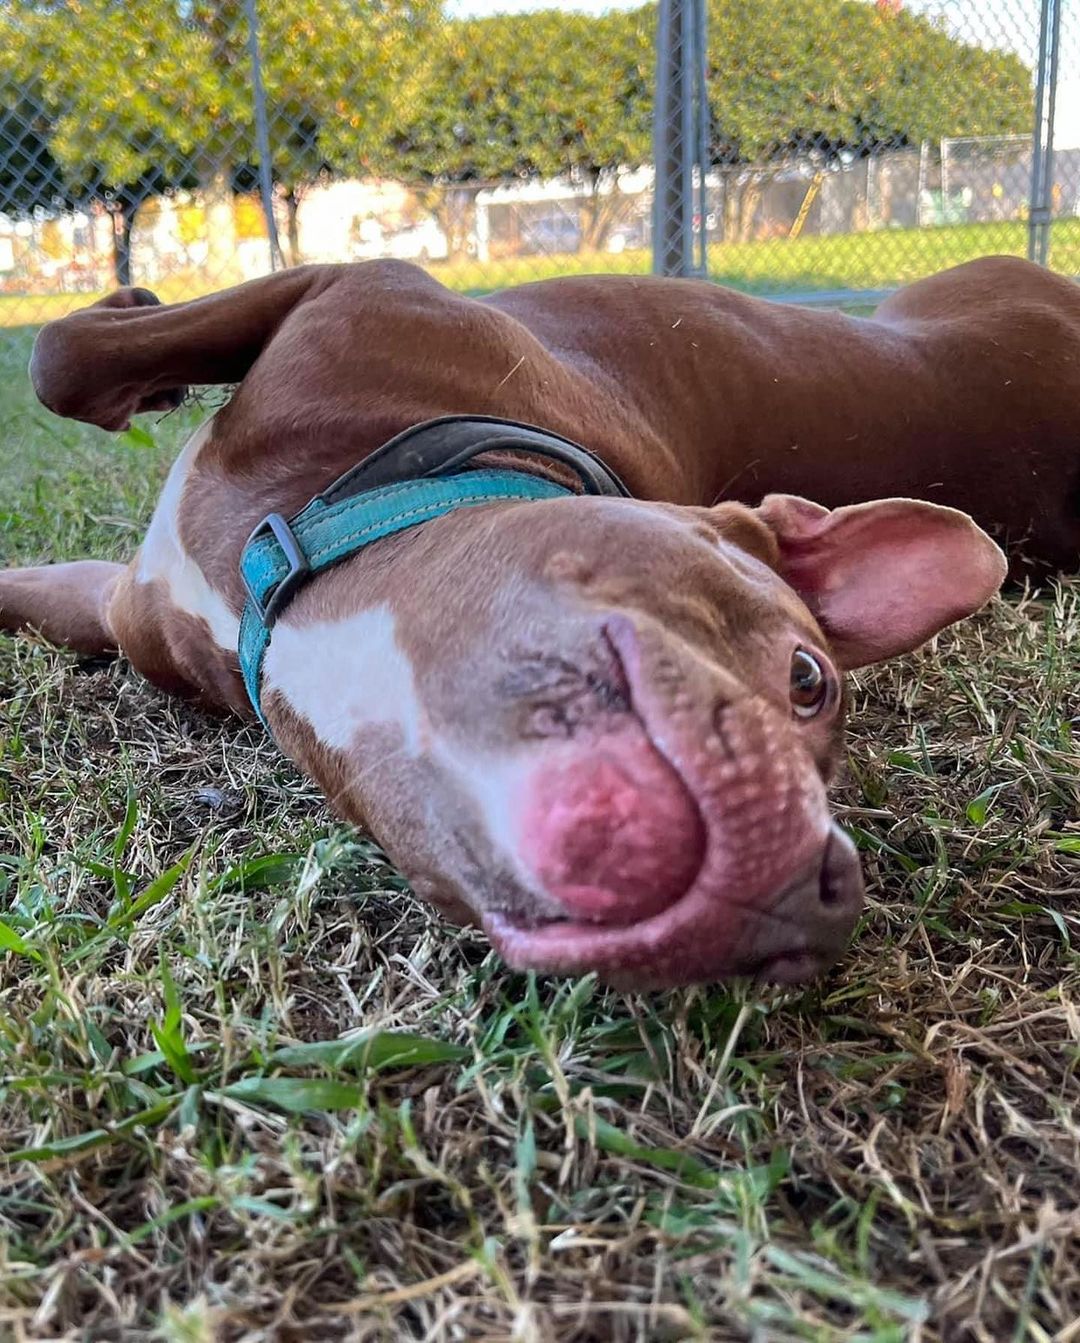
x: 382, y: 496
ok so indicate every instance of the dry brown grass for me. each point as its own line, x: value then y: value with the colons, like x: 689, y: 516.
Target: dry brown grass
x: 891, y: 1155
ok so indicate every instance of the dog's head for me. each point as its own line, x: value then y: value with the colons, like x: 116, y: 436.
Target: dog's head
x: 604, y: 728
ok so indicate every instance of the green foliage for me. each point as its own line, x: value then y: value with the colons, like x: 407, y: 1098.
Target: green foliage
x: 530, y: 95
x: 153, y: 95
x: 550, y: 93
x: 556, y: 94
x: 166, y: 88
x: 29, y: 175
x: 841, y: 74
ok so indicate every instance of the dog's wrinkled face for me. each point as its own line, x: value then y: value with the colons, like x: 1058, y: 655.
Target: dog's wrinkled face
x: 604, y: 728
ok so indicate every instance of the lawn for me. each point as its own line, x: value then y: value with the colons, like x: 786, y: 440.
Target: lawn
x: 251, y: 1090
x: 808, y: 265
x: 856, y: 261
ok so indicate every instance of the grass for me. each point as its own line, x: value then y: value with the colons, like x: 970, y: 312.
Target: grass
x: 869, y: 261
x: 250, y: 1089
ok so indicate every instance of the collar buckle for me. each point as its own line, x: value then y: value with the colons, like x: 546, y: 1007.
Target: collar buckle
x: 269, y: 603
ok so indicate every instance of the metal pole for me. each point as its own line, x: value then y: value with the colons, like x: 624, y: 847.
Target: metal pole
x: 1048, y: 155
x: 701, y: 108
x: 1035, y: 194
x: 920, y: 187
x: 262, y: 136
x: 1040, y: 207
x: 667, y: 232
x: 678, y: 135
x: 945, y: 159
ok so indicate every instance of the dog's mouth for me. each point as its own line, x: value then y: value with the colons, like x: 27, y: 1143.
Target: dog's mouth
x: 706, y: 935
x: 701, y: 868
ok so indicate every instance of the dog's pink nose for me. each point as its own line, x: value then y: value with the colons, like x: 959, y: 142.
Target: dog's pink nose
x: 613, y: 836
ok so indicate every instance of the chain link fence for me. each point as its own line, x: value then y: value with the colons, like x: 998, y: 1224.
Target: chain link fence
x: 819, y: 150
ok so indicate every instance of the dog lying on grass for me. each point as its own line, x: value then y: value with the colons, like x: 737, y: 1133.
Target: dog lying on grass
x: 554, y: 591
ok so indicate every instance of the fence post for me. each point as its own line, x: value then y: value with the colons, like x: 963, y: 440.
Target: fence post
x: 262, y: 136
x: 920, y: 185
x: 700, y: 96
x: 1040, y: 207
x: 680, y: 134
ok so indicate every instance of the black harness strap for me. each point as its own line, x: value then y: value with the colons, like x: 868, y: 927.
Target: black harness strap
x: 441, y: 447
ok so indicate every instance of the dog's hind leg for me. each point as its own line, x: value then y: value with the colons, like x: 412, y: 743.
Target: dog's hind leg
x: 68, y: 604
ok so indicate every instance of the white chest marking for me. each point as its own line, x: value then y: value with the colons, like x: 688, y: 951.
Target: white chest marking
x: 163, y: 557
x: 344, y: 675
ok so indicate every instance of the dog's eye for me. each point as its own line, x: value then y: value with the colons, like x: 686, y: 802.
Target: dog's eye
x: 809, y: 684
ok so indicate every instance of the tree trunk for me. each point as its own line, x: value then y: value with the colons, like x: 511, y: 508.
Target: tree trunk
x: 599, y: 214
x: 221, y: 263
x: 123, y: 221
x: 750, y: 198
x: 292, y: 206
x: 741, y: 196
x: 860, y: 206
x: 453, y: 209
x: 729, y: 200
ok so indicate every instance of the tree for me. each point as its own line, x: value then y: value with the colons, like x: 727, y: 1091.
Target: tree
x: 831, y: 78
x: 149, y: 94
x: 137, y: 99
x: 555, y: 94
x: 31, y: 179
x: 547, y: 94
x: 796, y: 75
x: 29, y: 175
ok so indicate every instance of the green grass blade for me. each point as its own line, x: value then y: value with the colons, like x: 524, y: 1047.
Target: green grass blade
x: 297, y: 1095
x: 10, y: 940
x: 371, y: 1049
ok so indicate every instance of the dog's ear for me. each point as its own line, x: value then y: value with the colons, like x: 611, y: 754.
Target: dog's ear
x: 881, y: 578
x: 129, y: 353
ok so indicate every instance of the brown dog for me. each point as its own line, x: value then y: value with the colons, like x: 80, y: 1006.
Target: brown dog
x: 601, y: 726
